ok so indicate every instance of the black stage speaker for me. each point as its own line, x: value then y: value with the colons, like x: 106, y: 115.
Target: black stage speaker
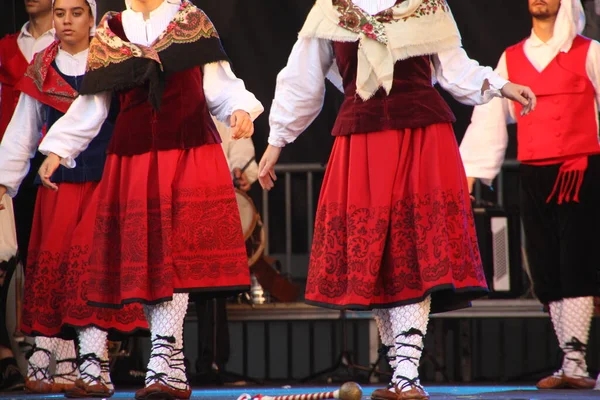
x: 499, y: 237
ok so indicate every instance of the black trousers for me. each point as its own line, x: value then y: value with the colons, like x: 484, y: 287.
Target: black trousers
x: 9, y: 267
x: 24, y: 205
x: 561, y: 240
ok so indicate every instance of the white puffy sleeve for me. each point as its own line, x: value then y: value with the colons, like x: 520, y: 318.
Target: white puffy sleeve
x: 20, y: 142
x: 484, y: 145
x: 300, y: 90
x: 74, y: 131
x: 463, y: 77
x: 226, y: 93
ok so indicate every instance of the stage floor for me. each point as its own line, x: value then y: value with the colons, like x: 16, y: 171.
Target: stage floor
x: 437, y: 393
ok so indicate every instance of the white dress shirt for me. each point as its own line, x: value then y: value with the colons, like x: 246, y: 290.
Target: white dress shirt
x: 484, y: 145
x: 301, y: 84
x: 29, y: 45
x: 224, y: 92
x: 23, y: 133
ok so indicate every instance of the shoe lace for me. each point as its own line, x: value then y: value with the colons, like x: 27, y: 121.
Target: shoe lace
x: 403, y: 382
x: 35, y: 372
x: 90, y: 360
x: 70, y: 376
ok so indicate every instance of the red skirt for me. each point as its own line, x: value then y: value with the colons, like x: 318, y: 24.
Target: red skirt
x: 394, y: 224
x: 56, y: 277
x: 167, y: 222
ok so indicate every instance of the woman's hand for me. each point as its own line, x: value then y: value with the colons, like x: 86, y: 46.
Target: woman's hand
x: 520, y: 94
x: 266, y: 167
x: 49, y: 166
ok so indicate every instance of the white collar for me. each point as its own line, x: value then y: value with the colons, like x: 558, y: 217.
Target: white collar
x: 535, y: 41
x: 25, y: 31
x: 79, y: 56
x: 174, y: 2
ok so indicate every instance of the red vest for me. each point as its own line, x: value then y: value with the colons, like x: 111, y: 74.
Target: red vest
x: 413, y: 102
x: 564, y: 121
x: 12, y: 67
x: 182, y: 122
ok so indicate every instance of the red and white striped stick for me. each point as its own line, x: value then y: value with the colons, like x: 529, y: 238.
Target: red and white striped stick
x: 348, y: 391
x: 312, y: 396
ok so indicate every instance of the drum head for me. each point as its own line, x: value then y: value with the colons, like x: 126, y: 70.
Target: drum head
x: 247, y: 213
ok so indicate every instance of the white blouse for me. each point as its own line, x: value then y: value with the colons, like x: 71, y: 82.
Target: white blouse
x: 23, y: 133
x: 301, y: 84
x: 484, y: 145
x: 224, y: 92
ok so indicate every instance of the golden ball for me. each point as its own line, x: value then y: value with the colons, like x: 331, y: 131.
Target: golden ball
x: 351, y: 391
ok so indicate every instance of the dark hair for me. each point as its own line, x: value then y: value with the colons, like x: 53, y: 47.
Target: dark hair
x: 86, y: 2
x: 89, y: 9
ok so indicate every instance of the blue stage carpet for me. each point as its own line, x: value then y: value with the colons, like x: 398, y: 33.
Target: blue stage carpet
x: 436, y: 392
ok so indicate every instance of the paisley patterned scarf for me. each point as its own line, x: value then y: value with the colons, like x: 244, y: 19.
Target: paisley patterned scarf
x: 408, y: 29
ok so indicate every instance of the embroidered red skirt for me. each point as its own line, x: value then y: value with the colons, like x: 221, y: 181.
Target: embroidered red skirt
x: 56, y: 278
x: 167, y: 222
x: 394, y: 224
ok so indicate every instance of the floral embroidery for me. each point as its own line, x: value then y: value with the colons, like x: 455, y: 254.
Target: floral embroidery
x: 191, y: 238
x: 108, y: 48
x: 46, y: 80
x: 390, y: 254
x: 188, y: 25
x: 429, y: 7
x: 356, y: 20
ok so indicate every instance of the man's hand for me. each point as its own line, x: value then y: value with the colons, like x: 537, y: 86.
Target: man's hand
x: 266, y: 167
x: 50, y: 164
x: 241, y: 125
x: 241, y: 179
x: 2, y: 193
x: 520, y: 94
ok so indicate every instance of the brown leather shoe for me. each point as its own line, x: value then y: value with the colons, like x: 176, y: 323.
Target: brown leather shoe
x: 552, y: 382
x: 40, y: 386
x: 579, y: 382
x: 63, y: 387
x: 416, y: 393
x: 160, y: 391
x: 383, y: 394
x: 83, y: 390
x: 141, y: 394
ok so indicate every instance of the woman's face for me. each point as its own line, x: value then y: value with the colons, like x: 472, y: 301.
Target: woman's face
x: 73, y: 21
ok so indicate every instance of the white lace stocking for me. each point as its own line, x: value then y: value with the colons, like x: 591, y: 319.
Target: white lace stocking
x: 66, y: 362
x: 166, y: 322
x: 409, y: 326
x: 92, y: 352
x: 39, y: 362
x: 384, y: 326
x: 576, y: 319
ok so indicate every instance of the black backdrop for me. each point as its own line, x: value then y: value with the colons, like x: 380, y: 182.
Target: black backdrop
x: 258, y: 36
